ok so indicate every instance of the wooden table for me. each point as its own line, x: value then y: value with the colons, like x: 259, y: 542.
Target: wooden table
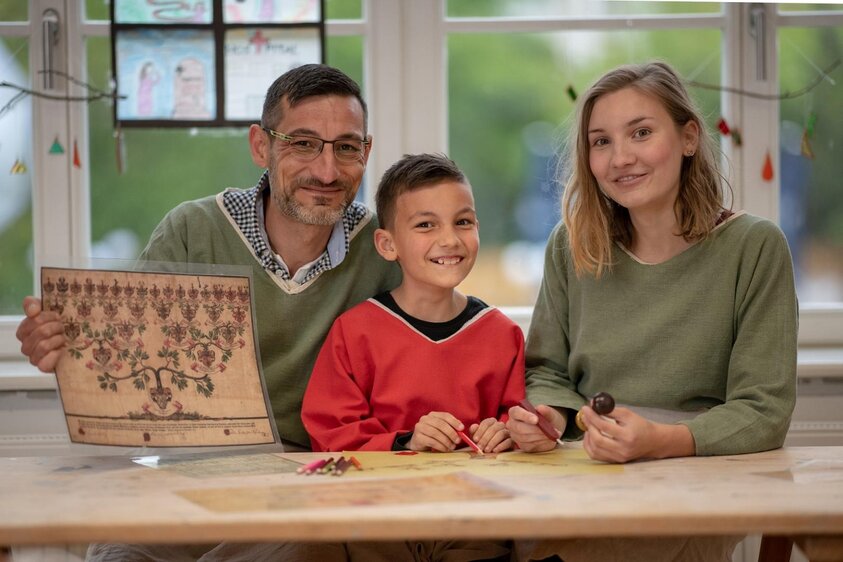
x: 795, y: 492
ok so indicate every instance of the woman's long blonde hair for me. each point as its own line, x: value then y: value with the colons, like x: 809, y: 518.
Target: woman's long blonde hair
x: 594, y: 221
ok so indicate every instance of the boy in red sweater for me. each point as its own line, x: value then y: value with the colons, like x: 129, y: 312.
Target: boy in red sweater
x: 411, y: 368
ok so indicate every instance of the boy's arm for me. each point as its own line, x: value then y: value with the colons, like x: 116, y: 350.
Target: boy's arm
x: 335, y: 410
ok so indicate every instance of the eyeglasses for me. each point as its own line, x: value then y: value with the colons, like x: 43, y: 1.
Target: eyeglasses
x: 307, y: 147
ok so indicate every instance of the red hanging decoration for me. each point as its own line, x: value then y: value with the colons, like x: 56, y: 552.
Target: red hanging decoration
x: 723, y: 126
x: 767, y: 172
x: 76, y: 160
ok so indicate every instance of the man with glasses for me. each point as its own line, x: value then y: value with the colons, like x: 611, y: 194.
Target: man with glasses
x: 309, y: 243
x: 311, y: 248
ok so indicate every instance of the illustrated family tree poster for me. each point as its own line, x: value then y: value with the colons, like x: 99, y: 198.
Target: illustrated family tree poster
x: 158, y: 359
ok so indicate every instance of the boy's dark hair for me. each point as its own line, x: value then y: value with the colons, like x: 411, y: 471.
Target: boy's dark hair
x: 306, y: 81
x: 411, y: 172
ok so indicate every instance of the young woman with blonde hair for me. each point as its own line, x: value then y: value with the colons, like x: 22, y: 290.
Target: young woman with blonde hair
x: 655, y: 292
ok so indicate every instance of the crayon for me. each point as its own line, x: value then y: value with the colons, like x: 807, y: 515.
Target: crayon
x: 357, y: 464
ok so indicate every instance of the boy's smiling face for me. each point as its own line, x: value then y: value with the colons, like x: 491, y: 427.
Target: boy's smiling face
x: 434, y: 236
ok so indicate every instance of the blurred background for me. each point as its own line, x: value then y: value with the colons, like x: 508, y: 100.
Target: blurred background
x: 509, y: 106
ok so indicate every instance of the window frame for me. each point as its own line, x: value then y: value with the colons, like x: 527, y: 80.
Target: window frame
x: 405, y: 79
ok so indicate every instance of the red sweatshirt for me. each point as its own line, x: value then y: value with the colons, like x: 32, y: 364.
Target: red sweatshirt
x: 376, y: 376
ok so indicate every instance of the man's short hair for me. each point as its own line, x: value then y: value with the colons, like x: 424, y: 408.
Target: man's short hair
x: 306, y: 81
x: 412, y: 172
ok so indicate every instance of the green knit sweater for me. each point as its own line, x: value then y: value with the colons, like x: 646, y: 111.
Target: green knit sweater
x: 711, y: 329
x: 291, y: 325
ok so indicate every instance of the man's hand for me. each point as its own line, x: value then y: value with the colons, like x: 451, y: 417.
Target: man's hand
x: 436, y: 431
x: 41, y: 335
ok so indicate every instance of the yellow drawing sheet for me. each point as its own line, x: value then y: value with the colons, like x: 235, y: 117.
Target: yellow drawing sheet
x: 559, y: 461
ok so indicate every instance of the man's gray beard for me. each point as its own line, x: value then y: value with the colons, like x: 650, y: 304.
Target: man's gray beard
x: 319, y: 216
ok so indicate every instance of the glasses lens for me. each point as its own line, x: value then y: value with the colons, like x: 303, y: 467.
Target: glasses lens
x: 306, y: 147
x: 348, y: 150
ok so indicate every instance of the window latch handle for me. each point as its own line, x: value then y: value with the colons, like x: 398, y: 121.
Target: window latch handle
x: 758, y: 31
x: 49, y: 42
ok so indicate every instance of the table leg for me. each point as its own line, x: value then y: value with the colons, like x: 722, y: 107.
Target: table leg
x: 775, y: 549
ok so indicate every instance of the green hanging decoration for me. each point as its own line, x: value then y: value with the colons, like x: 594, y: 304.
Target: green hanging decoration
x: 57, y: 148
x: 809, y: 127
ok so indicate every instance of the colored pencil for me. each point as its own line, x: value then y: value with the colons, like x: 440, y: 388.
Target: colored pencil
x: 328, y: 466
x: 470, y: 443
x: 341, y: 466
x: 319, y: 464
x: 547, y: 428
x: 309, y: 466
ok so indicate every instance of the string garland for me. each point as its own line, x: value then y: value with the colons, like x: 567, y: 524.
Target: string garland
x: 824, y: 74
x: 95, y: 93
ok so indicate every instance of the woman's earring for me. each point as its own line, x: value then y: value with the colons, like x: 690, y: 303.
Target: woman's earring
x: 689, y: 153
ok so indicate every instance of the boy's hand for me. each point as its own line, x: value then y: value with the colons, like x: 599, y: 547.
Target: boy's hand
x: 491, y: 436
x: 436, y: 431
x: 525, y: 432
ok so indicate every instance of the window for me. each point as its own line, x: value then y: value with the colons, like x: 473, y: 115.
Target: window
x: 811, y: 201
x: 15, y: 161
x: 207, y: 64
x: 487, y: 81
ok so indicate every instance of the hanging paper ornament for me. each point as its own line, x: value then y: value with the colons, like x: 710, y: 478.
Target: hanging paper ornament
x: 571, y: 92
x: 18, y: 168
x: 767, y: 171
x: 723, y: 126
x: 76, y: 161
x: 809, y: 127
x: 806, y: 149
x: 736, y: 137
x: 57, y: 148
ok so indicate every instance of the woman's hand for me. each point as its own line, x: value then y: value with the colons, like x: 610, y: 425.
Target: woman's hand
x: 524, y: 430
x: 624, y: 436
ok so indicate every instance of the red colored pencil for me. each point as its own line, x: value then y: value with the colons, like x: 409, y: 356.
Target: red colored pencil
x: 470, y: 443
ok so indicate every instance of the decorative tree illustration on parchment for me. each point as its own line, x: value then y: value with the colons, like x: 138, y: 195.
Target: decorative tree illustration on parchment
x: 106, y: 324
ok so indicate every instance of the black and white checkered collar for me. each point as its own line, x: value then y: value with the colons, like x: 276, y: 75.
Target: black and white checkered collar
x: 241, y: 206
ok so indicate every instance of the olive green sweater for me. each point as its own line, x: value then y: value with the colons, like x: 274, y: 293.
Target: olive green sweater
x: 713, y: 329
x: 292, y: 321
